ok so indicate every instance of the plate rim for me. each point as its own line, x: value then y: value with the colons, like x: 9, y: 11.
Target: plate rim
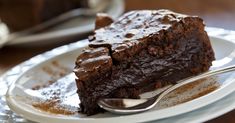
x: 141, y: 116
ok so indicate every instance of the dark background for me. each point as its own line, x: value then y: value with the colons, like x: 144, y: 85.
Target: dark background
x: 216, y: 13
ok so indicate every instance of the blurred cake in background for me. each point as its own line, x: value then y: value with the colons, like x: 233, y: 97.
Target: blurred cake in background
x: 22, y: 14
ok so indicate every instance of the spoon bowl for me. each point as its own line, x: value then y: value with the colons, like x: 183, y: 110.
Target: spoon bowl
x: 125, y: 106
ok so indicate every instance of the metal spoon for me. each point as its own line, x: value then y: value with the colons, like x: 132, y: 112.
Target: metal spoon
x: 130, y: 106
x: 53, y: 22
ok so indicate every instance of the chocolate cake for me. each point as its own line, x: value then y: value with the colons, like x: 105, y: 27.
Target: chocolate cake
x: 141, y: 51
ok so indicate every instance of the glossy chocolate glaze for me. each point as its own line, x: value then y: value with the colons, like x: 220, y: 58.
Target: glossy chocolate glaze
x: 127, y: 31
x: 91, y: 63
x: 145, y: 48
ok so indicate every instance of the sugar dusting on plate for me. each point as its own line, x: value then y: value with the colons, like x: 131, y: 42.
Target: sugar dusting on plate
x: 59, y: 96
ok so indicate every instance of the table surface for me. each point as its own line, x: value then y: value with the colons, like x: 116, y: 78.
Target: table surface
x: 216, y: 13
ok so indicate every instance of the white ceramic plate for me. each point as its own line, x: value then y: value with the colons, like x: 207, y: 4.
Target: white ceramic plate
x: 36, y: 74
x: 70, y: 29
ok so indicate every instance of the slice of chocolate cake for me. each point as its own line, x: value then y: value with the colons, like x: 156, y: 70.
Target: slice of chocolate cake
x: 138, y: 52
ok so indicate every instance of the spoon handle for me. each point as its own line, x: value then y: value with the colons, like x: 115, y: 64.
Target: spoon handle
x: 192, y: 79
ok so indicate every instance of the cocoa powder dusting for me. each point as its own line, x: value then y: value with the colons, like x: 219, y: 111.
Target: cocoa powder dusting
x: 53, y: 106
x: 190, y: 91
x: 55, y: 70
x: 59, y: 98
